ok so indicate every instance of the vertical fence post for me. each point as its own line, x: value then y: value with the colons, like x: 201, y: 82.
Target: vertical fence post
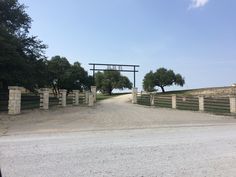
x: 173, y: 98
x: 14, y: 102
x: 232, y: 101
x: 62, y: 98
x: 201, y: 103
x: 152, y: 97
x: 134, y: 95
x: 86, y: 97
x: 94, y: 92
x: 76, y: 97
x: 91, y: 99
x: 44, y: 98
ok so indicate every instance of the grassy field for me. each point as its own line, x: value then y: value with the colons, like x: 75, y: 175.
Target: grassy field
x: 101, y: 96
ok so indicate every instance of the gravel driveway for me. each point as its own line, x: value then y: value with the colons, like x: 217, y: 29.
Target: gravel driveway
x: 119, y: 139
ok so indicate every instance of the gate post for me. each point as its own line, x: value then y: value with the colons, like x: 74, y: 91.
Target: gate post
x: 44, y: 98
x: 94, y: 92
x: 76, y: 97
x: 91, y: 99
x: 134, y: 95
x: 86, y: 97
x: 62, y: 98
x: 14, y: 102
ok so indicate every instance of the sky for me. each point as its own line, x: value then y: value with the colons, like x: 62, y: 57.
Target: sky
x: 196, y: 38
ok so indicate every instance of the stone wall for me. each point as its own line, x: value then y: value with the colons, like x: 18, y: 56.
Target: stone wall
x: 213, y: 91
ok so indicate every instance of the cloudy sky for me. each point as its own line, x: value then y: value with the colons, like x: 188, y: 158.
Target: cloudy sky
x: 196, y: 38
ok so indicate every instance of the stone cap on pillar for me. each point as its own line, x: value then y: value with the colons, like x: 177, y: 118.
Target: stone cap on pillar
x: 62, y: 90
x: 15, y: 88
x: 93, y: 88
x: 44, y: 89
x: 202, y: 95
x: 135, y: 89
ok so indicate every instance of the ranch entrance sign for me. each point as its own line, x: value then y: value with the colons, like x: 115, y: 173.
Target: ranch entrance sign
x: 114, y: 67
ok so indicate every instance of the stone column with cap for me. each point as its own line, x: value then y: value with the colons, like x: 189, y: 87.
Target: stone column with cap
x: 201, y: 103
x: 87, y: 97
x: 134, y: 95
x: 76, y: 97
x: 232, y: 101
x: 173, y: 98
x: 44, y: 98
x: 91, y: 99
x: 94, y: 92
x: 152, y: 99
x: 14, y: 102
x: 62, y: 98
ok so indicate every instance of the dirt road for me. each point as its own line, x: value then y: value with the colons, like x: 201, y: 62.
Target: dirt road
x: 117, y: 139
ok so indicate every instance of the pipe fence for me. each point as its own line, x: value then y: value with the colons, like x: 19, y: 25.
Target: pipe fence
x: 30, y: 101
x: 14, y: 101
x: 217, y: 104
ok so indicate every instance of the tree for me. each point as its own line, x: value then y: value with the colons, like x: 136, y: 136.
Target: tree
x: 22, y: 60
x: 149, y: 82
x: 161, y: 78
x: 63, y: 75
x: 108, y: 80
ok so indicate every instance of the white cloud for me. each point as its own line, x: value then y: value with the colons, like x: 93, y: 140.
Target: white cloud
x: 198, y: 3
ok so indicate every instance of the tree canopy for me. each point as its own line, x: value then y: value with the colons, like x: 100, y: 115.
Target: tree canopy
x: 20, y: 53
x: 108, y: 80
x: 161, y: 78
x: 22, y: 60
x: 63, y: 75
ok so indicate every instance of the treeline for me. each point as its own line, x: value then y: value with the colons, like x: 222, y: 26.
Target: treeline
x: 22, y: 56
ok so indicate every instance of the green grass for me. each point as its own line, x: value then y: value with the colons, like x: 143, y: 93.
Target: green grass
x: 106, y: 96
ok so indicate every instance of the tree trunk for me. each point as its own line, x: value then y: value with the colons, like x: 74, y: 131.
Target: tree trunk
x: 162, y: 89
x: 110, y: 91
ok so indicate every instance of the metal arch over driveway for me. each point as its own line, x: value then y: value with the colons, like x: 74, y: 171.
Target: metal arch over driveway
x: 115, y: 67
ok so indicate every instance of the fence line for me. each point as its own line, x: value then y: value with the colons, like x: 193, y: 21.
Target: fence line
x: 220, y: 104
x: 14, y: 101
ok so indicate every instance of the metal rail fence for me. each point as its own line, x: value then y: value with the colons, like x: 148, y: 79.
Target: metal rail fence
x: 144, y: 99
x: 162, y: 101
x: 4, y: 101
x: 30, y: 101
x: 219, y: 104
x: 82, y: 98
x: 53, y: 100
x: 187, y: 103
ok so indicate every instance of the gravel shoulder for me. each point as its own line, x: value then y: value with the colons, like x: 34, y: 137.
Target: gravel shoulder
x: 163, y: 152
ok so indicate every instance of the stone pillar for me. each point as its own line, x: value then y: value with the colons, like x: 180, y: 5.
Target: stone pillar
x: 134, y: 95
x: 62, y: 98
x: 91, y: 99
x: 173, y: 101
x: 232, y: 101
x: 86, y: 97
x: 14, y: 102
x: 94, y: 92
x: 76, y: 97
x: 152, y: 99
x: 201, y: 103
x: 44, y: 98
